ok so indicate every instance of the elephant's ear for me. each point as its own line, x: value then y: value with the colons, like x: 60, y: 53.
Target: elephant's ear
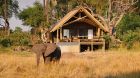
x: 50, y: 48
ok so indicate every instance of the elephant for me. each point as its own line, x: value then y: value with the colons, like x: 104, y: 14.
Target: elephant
x: 49, y: 51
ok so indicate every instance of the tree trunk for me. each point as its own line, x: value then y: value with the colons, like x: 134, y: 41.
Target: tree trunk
x: 5, y: 10
x: 46, y: 9
x: 6, y: 28
x: 109, y: 15
x: 44, y: 4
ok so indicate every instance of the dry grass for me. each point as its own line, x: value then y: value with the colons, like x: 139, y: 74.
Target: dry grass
x: 85, y: 65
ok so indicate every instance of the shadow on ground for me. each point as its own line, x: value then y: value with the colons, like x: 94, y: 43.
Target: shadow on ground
x: 126, y: 75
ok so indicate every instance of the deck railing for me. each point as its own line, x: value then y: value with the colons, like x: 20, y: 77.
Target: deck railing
x: 83, y: 39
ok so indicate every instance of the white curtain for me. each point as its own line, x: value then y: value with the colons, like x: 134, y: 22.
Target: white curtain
x: 90, y: 33
x: 66, y: 33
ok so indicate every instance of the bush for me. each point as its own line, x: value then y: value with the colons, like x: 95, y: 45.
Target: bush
x: 16, y: 38
x: 130, y: 22
x: 107, y: 41
x: 107, y: 38
x: 130, y: 38
x: 20, y: 38
x: 24, y: 41
x: 6, y: 42
x: 128, y: 30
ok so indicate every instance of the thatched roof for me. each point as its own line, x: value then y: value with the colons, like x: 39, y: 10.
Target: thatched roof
x: 93, y: 17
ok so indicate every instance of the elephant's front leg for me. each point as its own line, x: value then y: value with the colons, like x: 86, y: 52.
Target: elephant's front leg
x: 38, y: 58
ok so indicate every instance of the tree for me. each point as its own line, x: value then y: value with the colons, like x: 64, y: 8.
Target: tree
x: 18, y: 29
x: 37, y: 15
x: 33, y: 16
x: 117, y: 9
x: 97, y: 6
x: 46, y: 9
x: 138, y: 7
x: 49, y: 8
x: 7, y: 9
x: 128, y: 29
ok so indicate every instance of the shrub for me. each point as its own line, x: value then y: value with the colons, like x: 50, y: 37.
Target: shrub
x: 107, y: 41
x: 6, y: 42
x: 16, y: 38
x: 128, y: 30
x: 20, y: 38
x: 107, y: 38
x: 24, y: 41
x: 130, y: 38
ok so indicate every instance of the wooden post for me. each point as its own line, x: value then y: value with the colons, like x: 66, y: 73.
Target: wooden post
x: 79, y: 48
x: 103, y: 47
x: 51, y: 38
x: 92, y: 47
x: 98, y: 33
x: 101, y: 32
x: 61, y: 37
x: 57, y: 36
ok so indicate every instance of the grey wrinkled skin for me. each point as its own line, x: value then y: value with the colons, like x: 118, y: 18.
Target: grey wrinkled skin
x: 49, y: 51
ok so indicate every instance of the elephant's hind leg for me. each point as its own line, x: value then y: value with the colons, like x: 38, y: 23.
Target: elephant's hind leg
x: 47, y: 60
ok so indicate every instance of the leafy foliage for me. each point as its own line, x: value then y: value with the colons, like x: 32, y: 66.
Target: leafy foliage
x: 107, y: 37
x: 128, y: 30
x: 130, y: 38
x: 16, y: 38
x: 137, y: 5
x: 107, y: 41
x: 99, y: 6
x: 12, y: 7
x: 6, y: 42
x: 129, y: 22
x: 33, y: 16
x: 24, y: 41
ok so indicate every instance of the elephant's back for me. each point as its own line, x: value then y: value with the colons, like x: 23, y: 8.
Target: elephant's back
x: 38, y: 48
x: 50, y: 48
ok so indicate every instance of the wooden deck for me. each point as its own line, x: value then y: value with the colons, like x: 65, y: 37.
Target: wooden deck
x: 91, y: 42
x: 84, y: 40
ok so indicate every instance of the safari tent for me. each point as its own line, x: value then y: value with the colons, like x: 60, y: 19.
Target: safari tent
x: 79, y: 30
